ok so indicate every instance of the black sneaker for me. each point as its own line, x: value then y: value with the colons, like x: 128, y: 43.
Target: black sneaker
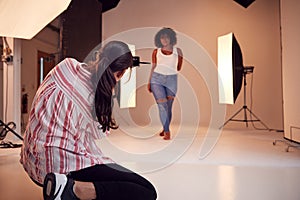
x: 58, y: 187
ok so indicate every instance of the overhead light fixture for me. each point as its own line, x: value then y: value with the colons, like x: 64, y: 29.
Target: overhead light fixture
x: 24, y: 19
x: 244, y: 3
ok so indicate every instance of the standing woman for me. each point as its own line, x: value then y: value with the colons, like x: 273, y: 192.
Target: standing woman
x: 166, y: 62
x: 71, y: 109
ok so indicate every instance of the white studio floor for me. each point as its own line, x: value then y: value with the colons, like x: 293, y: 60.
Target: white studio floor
x: 243, y: 165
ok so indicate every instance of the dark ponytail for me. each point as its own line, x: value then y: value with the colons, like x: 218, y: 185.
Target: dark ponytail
x: 115, y: 56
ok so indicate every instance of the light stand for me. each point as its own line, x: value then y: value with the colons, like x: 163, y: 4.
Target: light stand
x: 7, y: 129
x: 247, y: 70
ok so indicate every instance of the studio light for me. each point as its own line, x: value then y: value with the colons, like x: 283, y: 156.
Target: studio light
x: 24, y: 19
x: 244, y: 3
x: 232, y: 75
x: 230, y: 68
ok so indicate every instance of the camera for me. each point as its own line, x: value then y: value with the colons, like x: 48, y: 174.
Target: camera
x: 136, y: 61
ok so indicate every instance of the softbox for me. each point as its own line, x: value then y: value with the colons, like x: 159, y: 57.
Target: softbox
x: 230, y: 68
x: 126, y: 87
x: 24, y: 19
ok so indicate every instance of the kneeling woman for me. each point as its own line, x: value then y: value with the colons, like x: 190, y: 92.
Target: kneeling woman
x: 72, y: 108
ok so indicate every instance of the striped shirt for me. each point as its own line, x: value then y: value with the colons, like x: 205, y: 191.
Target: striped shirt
x: 60, y: 136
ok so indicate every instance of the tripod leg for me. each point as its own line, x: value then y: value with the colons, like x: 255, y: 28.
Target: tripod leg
x: 251, y: 113
x: 232, y: 117
x: 245, y: 115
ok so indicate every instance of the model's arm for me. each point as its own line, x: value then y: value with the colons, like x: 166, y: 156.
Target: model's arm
x: 153, y: 67
x: 180, y: 59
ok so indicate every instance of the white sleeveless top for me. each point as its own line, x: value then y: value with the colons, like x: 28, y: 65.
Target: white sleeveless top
x: 166, y: 64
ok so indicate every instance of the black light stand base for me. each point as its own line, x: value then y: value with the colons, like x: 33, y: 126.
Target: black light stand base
x: 246, y: 120
x: 7, y: 129
x: 289, y: 143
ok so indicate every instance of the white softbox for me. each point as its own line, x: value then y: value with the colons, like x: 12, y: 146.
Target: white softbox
x: 24, y: 19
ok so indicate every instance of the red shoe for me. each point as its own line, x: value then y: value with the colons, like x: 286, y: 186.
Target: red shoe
x: 162, y: 133
x: 167, y: 136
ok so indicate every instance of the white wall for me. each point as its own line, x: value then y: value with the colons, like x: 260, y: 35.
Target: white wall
x: 256, y: 29
x: 290, y: 64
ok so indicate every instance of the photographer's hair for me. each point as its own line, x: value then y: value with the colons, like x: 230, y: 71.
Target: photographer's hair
x: 165, y: 31
x: 115, y: 56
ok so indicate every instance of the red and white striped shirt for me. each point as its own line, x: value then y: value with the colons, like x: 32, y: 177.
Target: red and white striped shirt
x: 60, y: 136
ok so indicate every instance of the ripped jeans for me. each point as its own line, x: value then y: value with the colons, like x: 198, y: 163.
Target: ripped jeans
x: 164, y: 89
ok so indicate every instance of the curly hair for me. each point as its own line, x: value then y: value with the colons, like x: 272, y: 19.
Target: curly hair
x: 165, y: 31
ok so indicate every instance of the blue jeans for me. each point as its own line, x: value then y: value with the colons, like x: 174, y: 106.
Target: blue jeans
x: 164, y: 89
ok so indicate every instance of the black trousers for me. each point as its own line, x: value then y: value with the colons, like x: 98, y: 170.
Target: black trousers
x: 114, y: 182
